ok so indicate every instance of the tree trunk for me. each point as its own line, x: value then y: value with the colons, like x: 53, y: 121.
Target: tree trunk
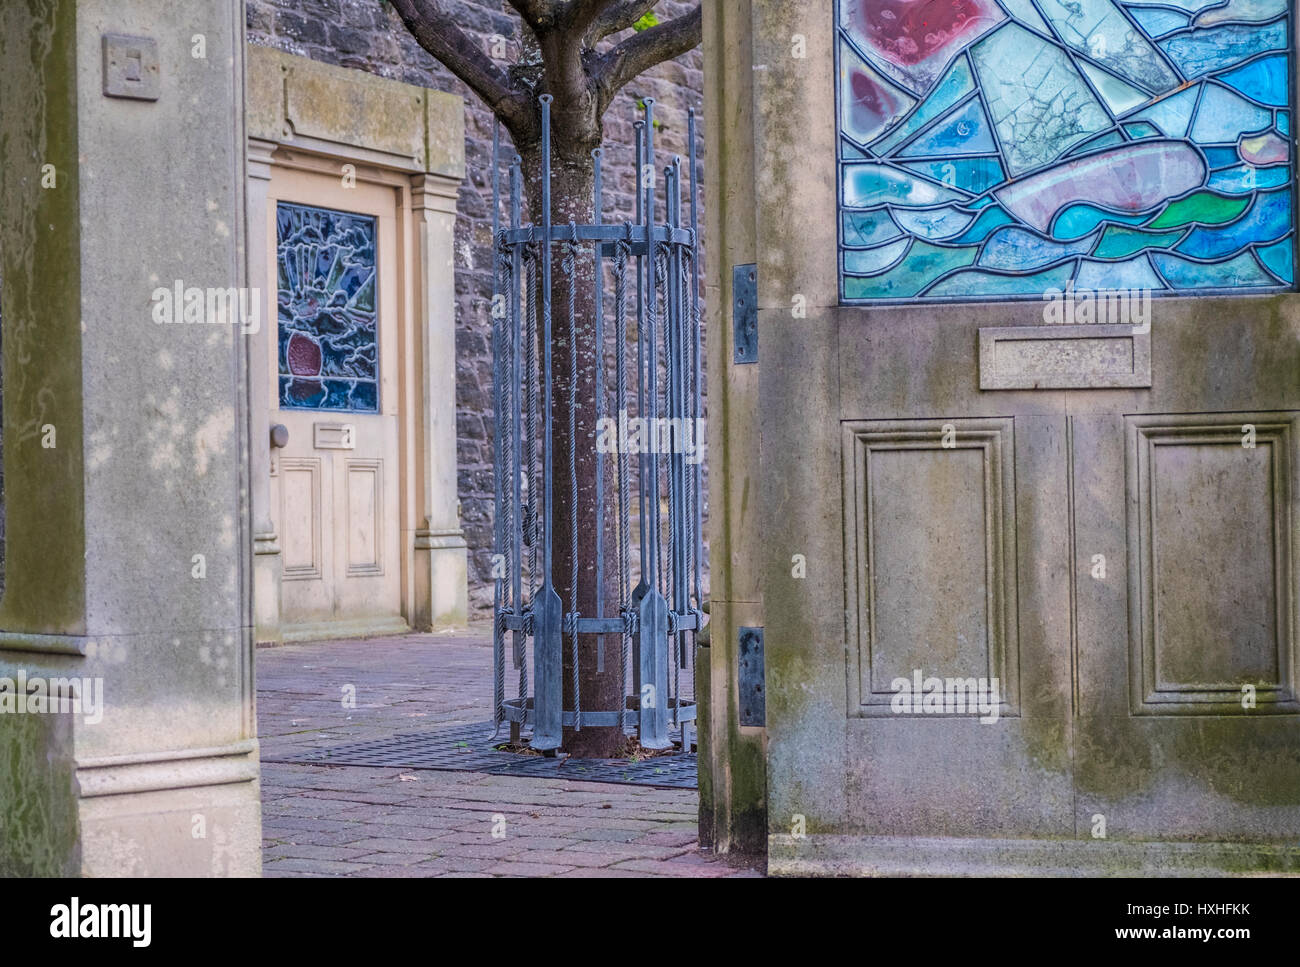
x: 572, y: 182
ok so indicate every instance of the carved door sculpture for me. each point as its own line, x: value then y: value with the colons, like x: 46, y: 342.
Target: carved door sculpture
x: 1060, y: 396
x: 334, y: 387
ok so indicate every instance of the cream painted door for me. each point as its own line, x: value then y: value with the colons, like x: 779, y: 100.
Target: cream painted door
x: 334, y: 380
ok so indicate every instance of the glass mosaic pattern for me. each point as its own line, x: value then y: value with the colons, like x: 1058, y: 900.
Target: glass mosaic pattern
x: 1001, y: 148
x: 329, y: 351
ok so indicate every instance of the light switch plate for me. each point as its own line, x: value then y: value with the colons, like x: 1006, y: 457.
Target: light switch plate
x: 131, y: 67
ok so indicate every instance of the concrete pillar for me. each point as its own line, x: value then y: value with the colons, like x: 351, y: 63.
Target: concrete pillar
x: 122, y: 177
x: 440, y: 548
x: 267, y: 562
x: 733, y: 780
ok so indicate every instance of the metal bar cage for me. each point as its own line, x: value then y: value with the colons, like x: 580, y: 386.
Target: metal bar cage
x: 657, y: 475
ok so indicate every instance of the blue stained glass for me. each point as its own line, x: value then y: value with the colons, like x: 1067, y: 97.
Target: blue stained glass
x: 872, y: 260
x: 1018, y: 249
x: 1225, y: 116
x: 868, y: 185
x: 1134, y: 273
x: 1156, y: 21
x: 862, y: 229
x: 974, y: 282
x: 1138, y: 144
x: 1171, y: 114
x: 1243, y: 179
x: 1203, y: 51
x: 975, y: 175
x: 328, y: 325
x: 1262, y: 80
x: 934, y: 223
x: 964, y: 131
x: 958, y: 83
x: 1267, y: 219
x: 1184, y: 274
x: 1105, y: 141
x: 1221, y: 157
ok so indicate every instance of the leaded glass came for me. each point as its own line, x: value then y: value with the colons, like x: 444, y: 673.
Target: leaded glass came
x: 328, y: 347
x: 1003, y: 148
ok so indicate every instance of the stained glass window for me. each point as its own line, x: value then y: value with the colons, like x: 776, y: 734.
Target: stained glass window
x: 1002, y: 148
x: 329, y: 352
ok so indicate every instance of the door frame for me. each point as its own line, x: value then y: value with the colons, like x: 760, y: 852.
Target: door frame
x: 324, y: 120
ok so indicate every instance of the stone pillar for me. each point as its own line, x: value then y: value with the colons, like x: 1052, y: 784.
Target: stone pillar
x: 125, y: 439
x: 267, y: 561
x: 733, y: 789
x: 440, y: 548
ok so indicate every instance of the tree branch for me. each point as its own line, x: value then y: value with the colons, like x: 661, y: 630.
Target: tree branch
x: 578, y: 15
x: 644, y: 50
x: 438, y: 34
x: 537, y: 13
x: 618, y: 16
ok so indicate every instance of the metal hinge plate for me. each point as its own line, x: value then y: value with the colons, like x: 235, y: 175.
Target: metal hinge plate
x: 744, y: 312
x: 752, y: 683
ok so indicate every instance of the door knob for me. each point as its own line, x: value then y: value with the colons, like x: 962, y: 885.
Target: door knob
x: 279, y: 435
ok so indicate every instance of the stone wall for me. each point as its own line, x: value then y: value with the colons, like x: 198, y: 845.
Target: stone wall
x: 368, y: 35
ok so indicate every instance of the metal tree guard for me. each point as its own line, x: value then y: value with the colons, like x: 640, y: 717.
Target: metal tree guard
x: 655, y: 615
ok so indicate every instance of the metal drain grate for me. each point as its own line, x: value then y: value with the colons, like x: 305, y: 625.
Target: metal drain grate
x: 469, y: 748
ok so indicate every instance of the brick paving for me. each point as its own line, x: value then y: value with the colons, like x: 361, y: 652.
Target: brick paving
x: 356, y: 821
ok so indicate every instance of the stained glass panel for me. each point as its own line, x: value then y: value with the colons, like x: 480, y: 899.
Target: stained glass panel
x: 328, y: 327
x: 995, y: 148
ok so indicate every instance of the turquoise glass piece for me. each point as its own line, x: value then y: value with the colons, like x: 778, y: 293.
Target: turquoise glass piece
x: 1142, y: 129
x: 1081, y: 219
x: 975, y: 175
x: 989, y: 219
x: 973, y: 282
x: 1279, y: 258
x: 923, y: 263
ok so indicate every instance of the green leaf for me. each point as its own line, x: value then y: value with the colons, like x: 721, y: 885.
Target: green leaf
x: 648, y: 20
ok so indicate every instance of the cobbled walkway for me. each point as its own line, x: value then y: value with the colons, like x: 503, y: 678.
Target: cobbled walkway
x: 354, y: 821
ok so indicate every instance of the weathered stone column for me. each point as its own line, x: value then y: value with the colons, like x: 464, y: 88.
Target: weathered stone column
x: 440, y: 548
x: 121, y: 180
x: 267, y: 562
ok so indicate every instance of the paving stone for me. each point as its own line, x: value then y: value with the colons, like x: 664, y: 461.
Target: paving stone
x: 360, y: 821
x: 527, y: 869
